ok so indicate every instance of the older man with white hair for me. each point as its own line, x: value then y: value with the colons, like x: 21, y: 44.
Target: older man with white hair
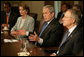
x: 72, y: 43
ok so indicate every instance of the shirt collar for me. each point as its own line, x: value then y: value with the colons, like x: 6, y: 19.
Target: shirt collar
x: 8, y: 13
x: 71, y: 29
x: 50, y: 21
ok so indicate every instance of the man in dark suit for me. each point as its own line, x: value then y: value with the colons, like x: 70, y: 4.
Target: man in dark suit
x: 50, y: 34
x: 64, y: 8
x: 72, y: 44
x: 8, y: 16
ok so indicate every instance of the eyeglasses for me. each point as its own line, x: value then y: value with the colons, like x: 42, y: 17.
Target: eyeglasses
x: 67, y: 17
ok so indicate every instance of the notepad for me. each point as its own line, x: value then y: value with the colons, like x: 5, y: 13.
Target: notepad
x: 10, y: 40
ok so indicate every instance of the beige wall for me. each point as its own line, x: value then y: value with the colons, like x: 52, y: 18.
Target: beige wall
x: 13, y: 3
x: 35, y: 7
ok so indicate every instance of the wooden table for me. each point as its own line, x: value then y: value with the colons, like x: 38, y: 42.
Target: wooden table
x: 11, y: 49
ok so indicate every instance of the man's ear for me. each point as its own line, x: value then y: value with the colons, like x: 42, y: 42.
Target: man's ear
x: 74, y: 20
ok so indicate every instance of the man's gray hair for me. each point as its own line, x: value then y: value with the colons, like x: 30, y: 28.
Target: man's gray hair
x: 51, y: 8
x: 74, y: 15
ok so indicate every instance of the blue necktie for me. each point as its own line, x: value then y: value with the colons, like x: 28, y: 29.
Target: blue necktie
x: 64, y: 38
x: 44, y: 26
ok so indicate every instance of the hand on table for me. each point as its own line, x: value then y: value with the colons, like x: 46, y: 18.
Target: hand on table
x: 21, y: 32
x: 14, y: 33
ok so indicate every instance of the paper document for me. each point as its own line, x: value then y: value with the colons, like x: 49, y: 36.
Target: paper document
x: 10, y: 40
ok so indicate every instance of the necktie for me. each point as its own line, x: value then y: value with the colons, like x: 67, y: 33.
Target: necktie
x: 43, y: 28
x: 65, y: 37
x: 7, y: 18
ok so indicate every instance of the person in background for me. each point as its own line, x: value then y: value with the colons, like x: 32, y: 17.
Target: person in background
x: 64, y: 8
x: 72, y: 43
x: 24, y: 24
x: 51, y: 32
x: 78, y: 9
x: 8, y: 16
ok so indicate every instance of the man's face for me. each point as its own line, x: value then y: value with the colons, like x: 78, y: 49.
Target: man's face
x: 6, y: 8
x: 67, y: 20
x: 47, y: 15
x: 63, y: 8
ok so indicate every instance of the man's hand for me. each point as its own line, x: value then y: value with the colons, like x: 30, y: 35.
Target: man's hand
x: 34, y: 37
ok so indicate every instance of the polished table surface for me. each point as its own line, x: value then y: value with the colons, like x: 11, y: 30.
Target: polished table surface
x: 11, y: 49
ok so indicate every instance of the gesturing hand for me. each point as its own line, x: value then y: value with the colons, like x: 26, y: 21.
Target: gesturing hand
x: 34, y: 37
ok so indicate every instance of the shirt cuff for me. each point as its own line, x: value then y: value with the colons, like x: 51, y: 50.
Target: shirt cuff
x: 27, y: 33
x: 40, y: 41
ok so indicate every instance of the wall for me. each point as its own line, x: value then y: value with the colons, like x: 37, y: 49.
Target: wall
x: 35, y: 6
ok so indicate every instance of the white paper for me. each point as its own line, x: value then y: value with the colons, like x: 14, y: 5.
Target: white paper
x: 10, y: 40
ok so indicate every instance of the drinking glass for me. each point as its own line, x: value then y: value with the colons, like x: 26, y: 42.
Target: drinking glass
x: 24, y: 44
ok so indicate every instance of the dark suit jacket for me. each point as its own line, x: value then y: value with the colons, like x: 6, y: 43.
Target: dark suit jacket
x: 59, y: 15
x: 73, y: 45
x: 52, y: 34
x: 12, y: 18
x: 81, y: 21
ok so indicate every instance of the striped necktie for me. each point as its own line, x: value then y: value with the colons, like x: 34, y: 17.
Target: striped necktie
x: 43, y: 28
x: 65, y: 37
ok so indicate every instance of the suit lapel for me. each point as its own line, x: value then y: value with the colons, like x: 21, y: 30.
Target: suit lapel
x: 71, y: 35
x: 11, y: 17
x: 48, y: 28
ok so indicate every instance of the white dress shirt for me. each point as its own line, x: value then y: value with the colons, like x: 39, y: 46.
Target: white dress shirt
x: 70, y: 31
x: 41, y: 40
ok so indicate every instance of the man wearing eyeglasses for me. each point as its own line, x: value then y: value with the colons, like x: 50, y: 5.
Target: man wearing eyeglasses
x: 72, y: 42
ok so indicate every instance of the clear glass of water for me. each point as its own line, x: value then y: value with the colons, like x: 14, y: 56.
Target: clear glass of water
x: 24, y: 44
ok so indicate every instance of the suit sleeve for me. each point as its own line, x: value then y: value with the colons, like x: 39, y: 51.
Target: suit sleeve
x: 78, y: 45
x: 53, y: 37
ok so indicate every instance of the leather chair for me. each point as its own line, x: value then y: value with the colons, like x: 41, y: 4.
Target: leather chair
x: 34, y: 15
